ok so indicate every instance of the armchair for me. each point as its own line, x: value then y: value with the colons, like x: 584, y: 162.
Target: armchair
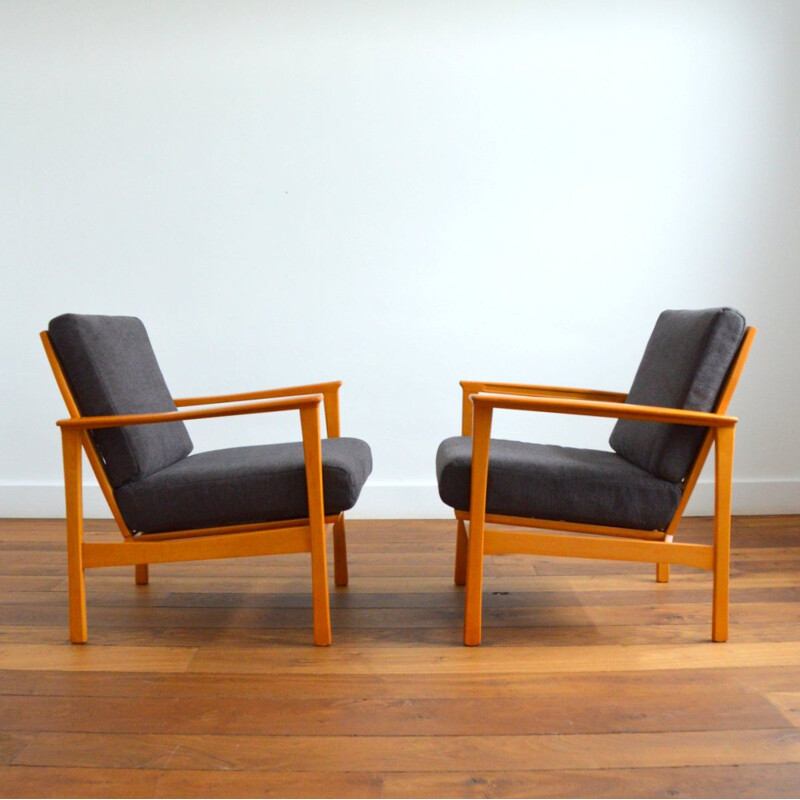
x: 171, y: 505
x: 622, y: 504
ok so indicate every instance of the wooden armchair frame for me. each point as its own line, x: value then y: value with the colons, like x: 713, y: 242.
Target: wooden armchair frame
x: 474, y: 539
x: 291, y: 536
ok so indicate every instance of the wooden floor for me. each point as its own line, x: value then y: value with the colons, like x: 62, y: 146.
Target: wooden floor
x: 593, y: 680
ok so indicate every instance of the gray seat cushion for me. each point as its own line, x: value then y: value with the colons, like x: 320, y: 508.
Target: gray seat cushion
x: 558, y: 483
x: 684, y: 366
x: 111, y: 369
x: 240, y: 485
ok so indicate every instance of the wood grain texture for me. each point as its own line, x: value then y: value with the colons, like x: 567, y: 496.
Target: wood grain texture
x: 597, y: 682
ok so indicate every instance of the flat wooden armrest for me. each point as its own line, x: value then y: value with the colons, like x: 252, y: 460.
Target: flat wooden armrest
x: 286, y: 391
x: 595, y: 408
x: 533, y: 390
x: 289, y: 404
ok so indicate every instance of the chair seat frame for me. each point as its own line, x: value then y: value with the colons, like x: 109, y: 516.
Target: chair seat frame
x: 305, y: 535
x: 474, y: 539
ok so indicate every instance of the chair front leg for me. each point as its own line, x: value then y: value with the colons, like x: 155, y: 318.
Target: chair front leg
x: 481, y: 431
x: 340, y: 575
x: 71, y: 445
x: 723, y: 484
x: 312, y: 449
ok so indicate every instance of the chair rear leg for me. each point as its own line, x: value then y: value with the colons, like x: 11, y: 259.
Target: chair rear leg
x: 71, y: 444
x: 340, y: 575
x: 142, y: 574
x: 462, y: 542
x: 662, y: 573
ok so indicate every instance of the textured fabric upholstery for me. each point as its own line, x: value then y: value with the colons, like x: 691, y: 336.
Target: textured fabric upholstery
x: 111, y: 369
x: 684, y: 366
x: 558, y: 483
x: 265, y: 483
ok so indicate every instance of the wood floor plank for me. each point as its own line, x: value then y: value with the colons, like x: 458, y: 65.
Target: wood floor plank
x: 759, y: 780
x: 745, y: 780
x: 697, y: 705
x: 412, y: 753
x: 92, y: 659
x: 533, y: 659
x: 603, y: 686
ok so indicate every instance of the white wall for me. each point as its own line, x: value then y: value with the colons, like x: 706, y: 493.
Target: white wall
x: 400, y: 195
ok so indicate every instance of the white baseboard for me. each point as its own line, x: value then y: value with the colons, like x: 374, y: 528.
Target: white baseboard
x: 404, y: 500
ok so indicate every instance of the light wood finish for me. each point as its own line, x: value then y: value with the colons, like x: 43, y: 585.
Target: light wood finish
x: 499, y: 542
x: 196, y: 533
x: 600, y: 408
x: 482, y: 426
x: 203, y: 684
x: 73, y: 486
x: 569, y: 527
x: 309, y: 420
x: 723, y: 481
x: 257, y: 407
x: 329, y: 390
x: 589, y: 541
x: 470, y: 388
x: 273, y: 541
x: 233, y: 541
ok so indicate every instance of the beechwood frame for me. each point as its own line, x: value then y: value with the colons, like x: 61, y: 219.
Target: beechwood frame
x: 474, y: 539
x: 269, y: 538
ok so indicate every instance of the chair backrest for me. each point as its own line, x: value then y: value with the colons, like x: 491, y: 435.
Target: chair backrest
x: 685, y: 364
x: 111, y: 369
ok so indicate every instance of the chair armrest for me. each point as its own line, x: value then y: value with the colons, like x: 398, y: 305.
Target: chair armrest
x: 287, y: 391
x: 122, y: 420
x: 470, y: 388
x: 597, y: 408
x: 328, y: 389
x: 534, y: 390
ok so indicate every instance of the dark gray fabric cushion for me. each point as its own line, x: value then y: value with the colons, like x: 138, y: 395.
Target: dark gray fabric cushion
x: 240, y: 485
x: 684, y: 366
x: 111, y: 368
x: 558, y: 483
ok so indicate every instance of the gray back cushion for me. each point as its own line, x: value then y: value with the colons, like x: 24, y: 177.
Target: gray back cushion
x: 111, y: 369
x: 684, y: 366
